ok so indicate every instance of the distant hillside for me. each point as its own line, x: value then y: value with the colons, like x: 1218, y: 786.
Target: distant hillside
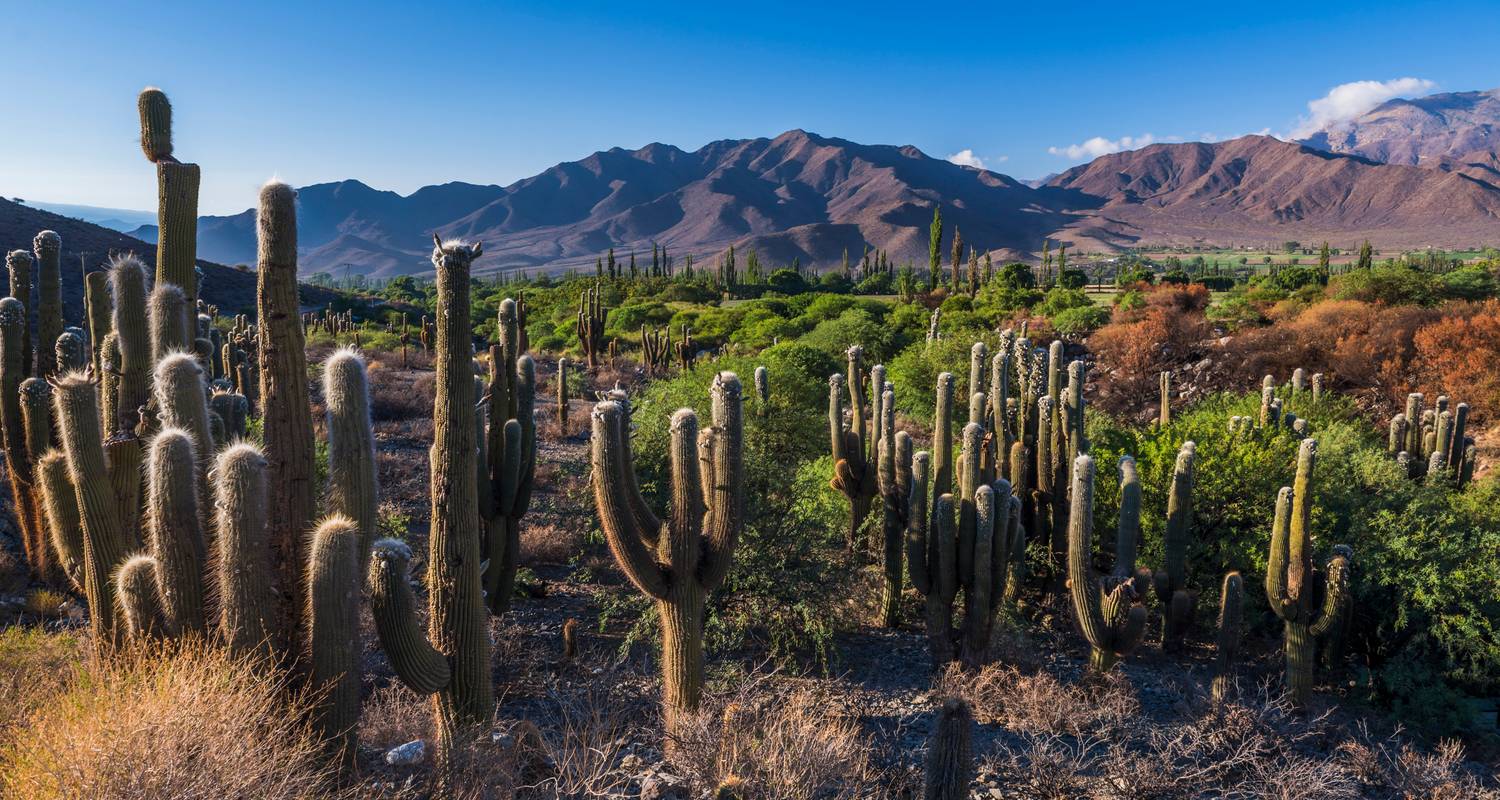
x: 810, y: 197
x: 89, y: 246
x: 1441, y: 130
x: 1257, y: 189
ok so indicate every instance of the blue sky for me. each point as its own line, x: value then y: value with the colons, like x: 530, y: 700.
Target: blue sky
x: 400, y: 96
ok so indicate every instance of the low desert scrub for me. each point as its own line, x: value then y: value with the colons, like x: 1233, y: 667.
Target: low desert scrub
x: 398, y: 394
x: 172, y: 722
x: 1039, y: 704
x: 1257, y: 749
x: 34, y: 668
x: 784, y: 747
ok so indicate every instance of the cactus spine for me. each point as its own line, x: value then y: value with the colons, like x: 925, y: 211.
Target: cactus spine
x: 352, y: 488
x: 333, y: 581
x: 510, y: 457
x: 677, y: 563
x: 950, y: 757
x: 1231, y: 614
x: 1309, y: 601
x: 455, y: 664
x: 177, y: 199
x: 284, y: 402
x: 1108, y: 616
x: 1171, y: 581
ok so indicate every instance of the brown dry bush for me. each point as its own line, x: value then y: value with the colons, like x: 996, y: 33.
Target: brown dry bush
x: 1363, y: 348
x: 1133, y: 350
x: 397, y: 394
x: 1459, y: 354
x: 1038, y: 703
x: 34, y: 668
x: 168, y: 722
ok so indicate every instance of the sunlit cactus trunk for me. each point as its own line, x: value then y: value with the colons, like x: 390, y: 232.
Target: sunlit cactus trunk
x: 679, y: 561
x: 352, y: 486
x: 334, y: 575
x: 246, y: 597
x: 1231, y: 615
x: 48, y: 249
x: 286, y: 426
x: 177, y: 198
x: 452, y: 662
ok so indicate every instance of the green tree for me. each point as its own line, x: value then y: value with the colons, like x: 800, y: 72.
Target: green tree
x: 1366, y: 256
x: 1323, y: 257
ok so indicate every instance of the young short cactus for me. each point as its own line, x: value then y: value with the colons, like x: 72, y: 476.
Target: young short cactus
x: 1170, y: 582
x: 1164, y: 403
x: 1231, y: 614
x: 333, y: 586
x: 139, y: 604
x: 562, y: 397
x: 854, y: 456
x: 1108, y: 615
x: 455, y: 663
x: 763, y: 391
x: 1308, y: 600
x: 676, y: 563
x: 950, y: 756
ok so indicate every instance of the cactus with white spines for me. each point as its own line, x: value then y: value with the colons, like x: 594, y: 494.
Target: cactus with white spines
x: 1108, y: 614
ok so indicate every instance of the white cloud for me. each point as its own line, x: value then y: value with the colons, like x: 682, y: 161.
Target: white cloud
x: 1100, y: 146
x: 966, y: 158
x: 1348, y: 100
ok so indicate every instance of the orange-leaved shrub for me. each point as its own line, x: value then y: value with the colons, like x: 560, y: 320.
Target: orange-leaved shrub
x: 1460, y: 355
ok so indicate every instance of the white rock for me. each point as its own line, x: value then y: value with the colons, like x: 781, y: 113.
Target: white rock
x: 407, y: 754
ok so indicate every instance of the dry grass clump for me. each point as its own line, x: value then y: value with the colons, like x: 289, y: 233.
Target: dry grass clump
x: 784, y: 747
x: 167, y: 722
x: 35, y: 667
x: 397, y: 394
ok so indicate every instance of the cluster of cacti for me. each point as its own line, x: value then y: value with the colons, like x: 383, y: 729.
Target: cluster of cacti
x: 676, y: 563
x: 687, y: 349
x: 1433, y: 443
x: 656, y: 350
x: 508, y: 454
x: 1310, y: 601
x: 971, y: 541
x: 853, y: 446
x: 590, y: 325
x: 1107, y: 608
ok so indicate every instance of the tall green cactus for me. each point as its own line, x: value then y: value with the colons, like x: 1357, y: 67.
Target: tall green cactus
x: 1231, y: 614
x: 1308, y: 600
x: 167, y: 317
x: 1170, y: 582
x: 895, y: 491
x: 48, y: 249
x: 106, y: 539
x: 286, y: 423
x: 455, y: 664
x: 854, y: 457
x: 334, y: 575
x: 127, y: 276
x: 176, y: 196
x: 18, y: 458
x: 932, y: 559
x: 243, y: 566
x: 1107, y: 613
x: 562, y: 397
x: 679, y: 562
x: 1164, y: 410
x: 97, y: 306
x: 60, y: 505
x: 174, y: 532
x: 352, y: 486
x: 510, y: 457
x: 18, y: 264
x: 950, y: 753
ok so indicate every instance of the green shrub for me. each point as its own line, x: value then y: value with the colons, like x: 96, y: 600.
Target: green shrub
x: 1080, y: 320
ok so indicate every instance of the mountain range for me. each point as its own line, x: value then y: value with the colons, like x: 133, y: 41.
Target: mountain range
x: 1408, y: 174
